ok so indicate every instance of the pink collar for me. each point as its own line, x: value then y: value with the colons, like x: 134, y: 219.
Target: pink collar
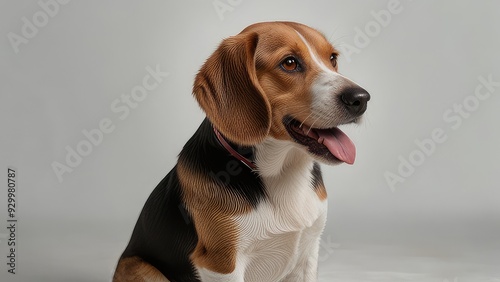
x: 251, y: 165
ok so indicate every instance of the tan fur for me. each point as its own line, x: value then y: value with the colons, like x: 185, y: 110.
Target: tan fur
x: 212, y: 210
x: 226, y: 88
x: 321, y: 191
x: 134, y: 269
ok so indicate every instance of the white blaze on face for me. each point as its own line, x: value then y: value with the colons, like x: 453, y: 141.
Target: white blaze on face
x: 314, y: 57
x: 323, y: 90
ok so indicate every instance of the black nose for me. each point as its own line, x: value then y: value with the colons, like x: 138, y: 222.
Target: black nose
x: 355, y: 99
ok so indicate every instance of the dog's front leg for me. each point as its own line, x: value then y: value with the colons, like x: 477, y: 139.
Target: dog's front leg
x: 306, y: 269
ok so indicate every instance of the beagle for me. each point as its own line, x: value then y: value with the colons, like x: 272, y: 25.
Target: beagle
x: 246, y: 200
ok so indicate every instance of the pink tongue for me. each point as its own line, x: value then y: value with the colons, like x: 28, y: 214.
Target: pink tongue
x: 338, y: 144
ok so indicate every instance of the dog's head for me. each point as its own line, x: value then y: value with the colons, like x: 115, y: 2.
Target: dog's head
x: 280, y: 80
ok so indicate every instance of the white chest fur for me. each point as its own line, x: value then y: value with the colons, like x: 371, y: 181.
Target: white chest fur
x: 280, y: 238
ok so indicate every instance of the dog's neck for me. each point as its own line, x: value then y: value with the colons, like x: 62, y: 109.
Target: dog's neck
x: 274, y: 158
x: 271, y: 158
x: 234, y: 152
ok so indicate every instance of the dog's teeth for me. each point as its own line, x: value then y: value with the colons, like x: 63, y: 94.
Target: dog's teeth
x: 320, y: 140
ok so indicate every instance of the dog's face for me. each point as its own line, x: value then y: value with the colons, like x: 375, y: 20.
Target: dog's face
x: 280, y: 79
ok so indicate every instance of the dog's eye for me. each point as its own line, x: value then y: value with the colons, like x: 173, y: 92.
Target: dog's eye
x: 333, y: 59
x: 290, y: 64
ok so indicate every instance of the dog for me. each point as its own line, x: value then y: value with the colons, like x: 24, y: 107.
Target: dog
x: 246, y: 200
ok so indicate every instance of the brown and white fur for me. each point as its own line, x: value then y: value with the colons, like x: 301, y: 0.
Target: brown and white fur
x: 274, y: 94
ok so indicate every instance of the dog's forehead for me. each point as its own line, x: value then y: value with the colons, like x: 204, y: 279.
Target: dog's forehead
x: 279, y: 34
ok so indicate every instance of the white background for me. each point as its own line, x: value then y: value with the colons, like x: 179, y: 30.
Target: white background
x: 441, y: 224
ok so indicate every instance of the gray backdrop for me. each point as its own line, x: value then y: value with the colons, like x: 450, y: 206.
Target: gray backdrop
x: 96, y: 104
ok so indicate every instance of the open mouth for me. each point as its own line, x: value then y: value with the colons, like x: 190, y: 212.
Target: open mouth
x: 331, y: 144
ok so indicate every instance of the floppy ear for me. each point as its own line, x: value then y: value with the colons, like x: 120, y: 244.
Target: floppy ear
x: 228, y: 90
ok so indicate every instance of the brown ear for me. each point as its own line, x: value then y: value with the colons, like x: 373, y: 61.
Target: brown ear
x: 227, y: 89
